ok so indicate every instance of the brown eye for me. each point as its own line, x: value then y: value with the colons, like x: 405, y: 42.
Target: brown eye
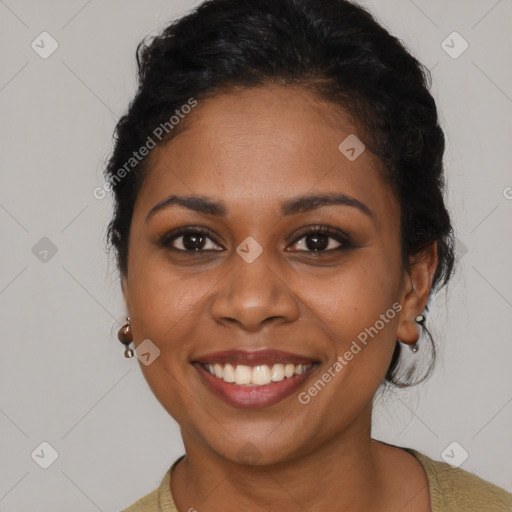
x: 190, y: 240
x: 322, y: 239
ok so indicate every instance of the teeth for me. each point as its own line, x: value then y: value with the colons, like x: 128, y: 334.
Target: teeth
x: 229, y: 373
x: 277, y: 372
x: 218, y: 370
x: 300, y: 369
x: 255, y: 375
x: 261, y: 375
x: 242, y: 374
x: 289, y: 370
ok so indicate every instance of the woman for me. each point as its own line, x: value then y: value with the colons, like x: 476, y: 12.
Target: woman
x: 279, y: 228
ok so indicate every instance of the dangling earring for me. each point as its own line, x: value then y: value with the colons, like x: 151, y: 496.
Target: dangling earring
x: 420, y: 319
x: 125, y: 336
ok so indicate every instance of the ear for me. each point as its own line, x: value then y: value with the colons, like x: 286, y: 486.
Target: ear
x: 415, y: 293
x: 124, y: 289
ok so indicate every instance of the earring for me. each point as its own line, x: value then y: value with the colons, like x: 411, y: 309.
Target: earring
x: 420, y: 319
x: 125, y: 336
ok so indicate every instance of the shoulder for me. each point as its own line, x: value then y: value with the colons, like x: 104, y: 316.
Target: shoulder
x: 148, y: 503
x: 159, y: 500
x: 453, y: 488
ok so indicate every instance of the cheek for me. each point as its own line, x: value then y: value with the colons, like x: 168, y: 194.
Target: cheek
x: 165, y: 309
x: 360, y: 312
x: 162, y: 290
x: 166, y: 306
x: 356, y: 294
x: 164, y: 303
x: 359, y: 307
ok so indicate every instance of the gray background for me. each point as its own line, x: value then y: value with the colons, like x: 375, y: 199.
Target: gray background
x: 64, y: 379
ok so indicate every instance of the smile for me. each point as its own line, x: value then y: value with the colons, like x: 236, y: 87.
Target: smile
x: 260, y: 375
x: 254, y: 379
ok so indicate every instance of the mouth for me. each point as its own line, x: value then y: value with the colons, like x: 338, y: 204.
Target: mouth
x: 260, y: 375
x: 254, y: 379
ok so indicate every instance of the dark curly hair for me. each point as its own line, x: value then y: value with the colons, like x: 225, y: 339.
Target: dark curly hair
x: 333, y: 49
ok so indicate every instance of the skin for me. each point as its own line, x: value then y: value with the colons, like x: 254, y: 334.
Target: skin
x: 253, y: 149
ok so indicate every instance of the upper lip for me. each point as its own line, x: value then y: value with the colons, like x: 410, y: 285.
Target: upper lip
x: 253, y: 358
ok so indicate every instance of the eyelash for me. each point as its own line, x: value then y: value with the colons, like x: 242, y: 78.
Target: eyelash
x: 341, y: 238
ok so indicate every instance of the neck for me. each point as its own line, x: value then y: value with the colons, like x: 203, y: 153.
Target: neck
x: 346, y: 471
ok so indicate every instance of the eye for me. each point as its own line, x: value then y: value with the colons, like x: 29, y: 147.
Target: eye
x: 316, y: 240
x: 322, y: 239
x: 189, y: 240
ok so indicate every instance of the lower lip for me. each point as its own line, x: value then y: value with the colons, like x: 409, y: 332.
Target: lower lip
x: 253, y: 396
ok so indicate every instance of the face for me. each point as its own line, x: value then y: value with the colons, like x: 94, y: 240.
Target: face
x: 260, y: 277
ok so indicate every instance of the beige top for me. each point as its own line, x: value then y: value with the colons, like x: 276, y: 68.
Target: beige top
x: 451, y: 490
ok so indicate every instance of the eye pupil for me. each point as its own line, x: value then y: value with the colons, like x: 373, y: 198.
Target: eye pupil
x: 319, y: 241
x: 191, y: 240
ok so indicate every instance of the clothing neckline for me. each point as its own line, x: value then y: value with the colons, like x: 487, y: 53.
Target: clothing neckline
x: 165, y: 499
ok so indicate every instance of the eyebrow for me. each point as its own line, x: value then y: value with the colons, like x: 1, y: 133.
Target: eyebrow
x: 207, y: 206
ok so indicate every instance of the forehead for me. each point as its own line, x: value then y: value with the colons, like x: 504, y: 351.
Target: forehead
x: 255, y: 147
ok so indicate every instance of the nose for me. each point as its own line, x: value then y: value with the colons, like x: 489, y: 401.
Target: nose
x: 253, y: 295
